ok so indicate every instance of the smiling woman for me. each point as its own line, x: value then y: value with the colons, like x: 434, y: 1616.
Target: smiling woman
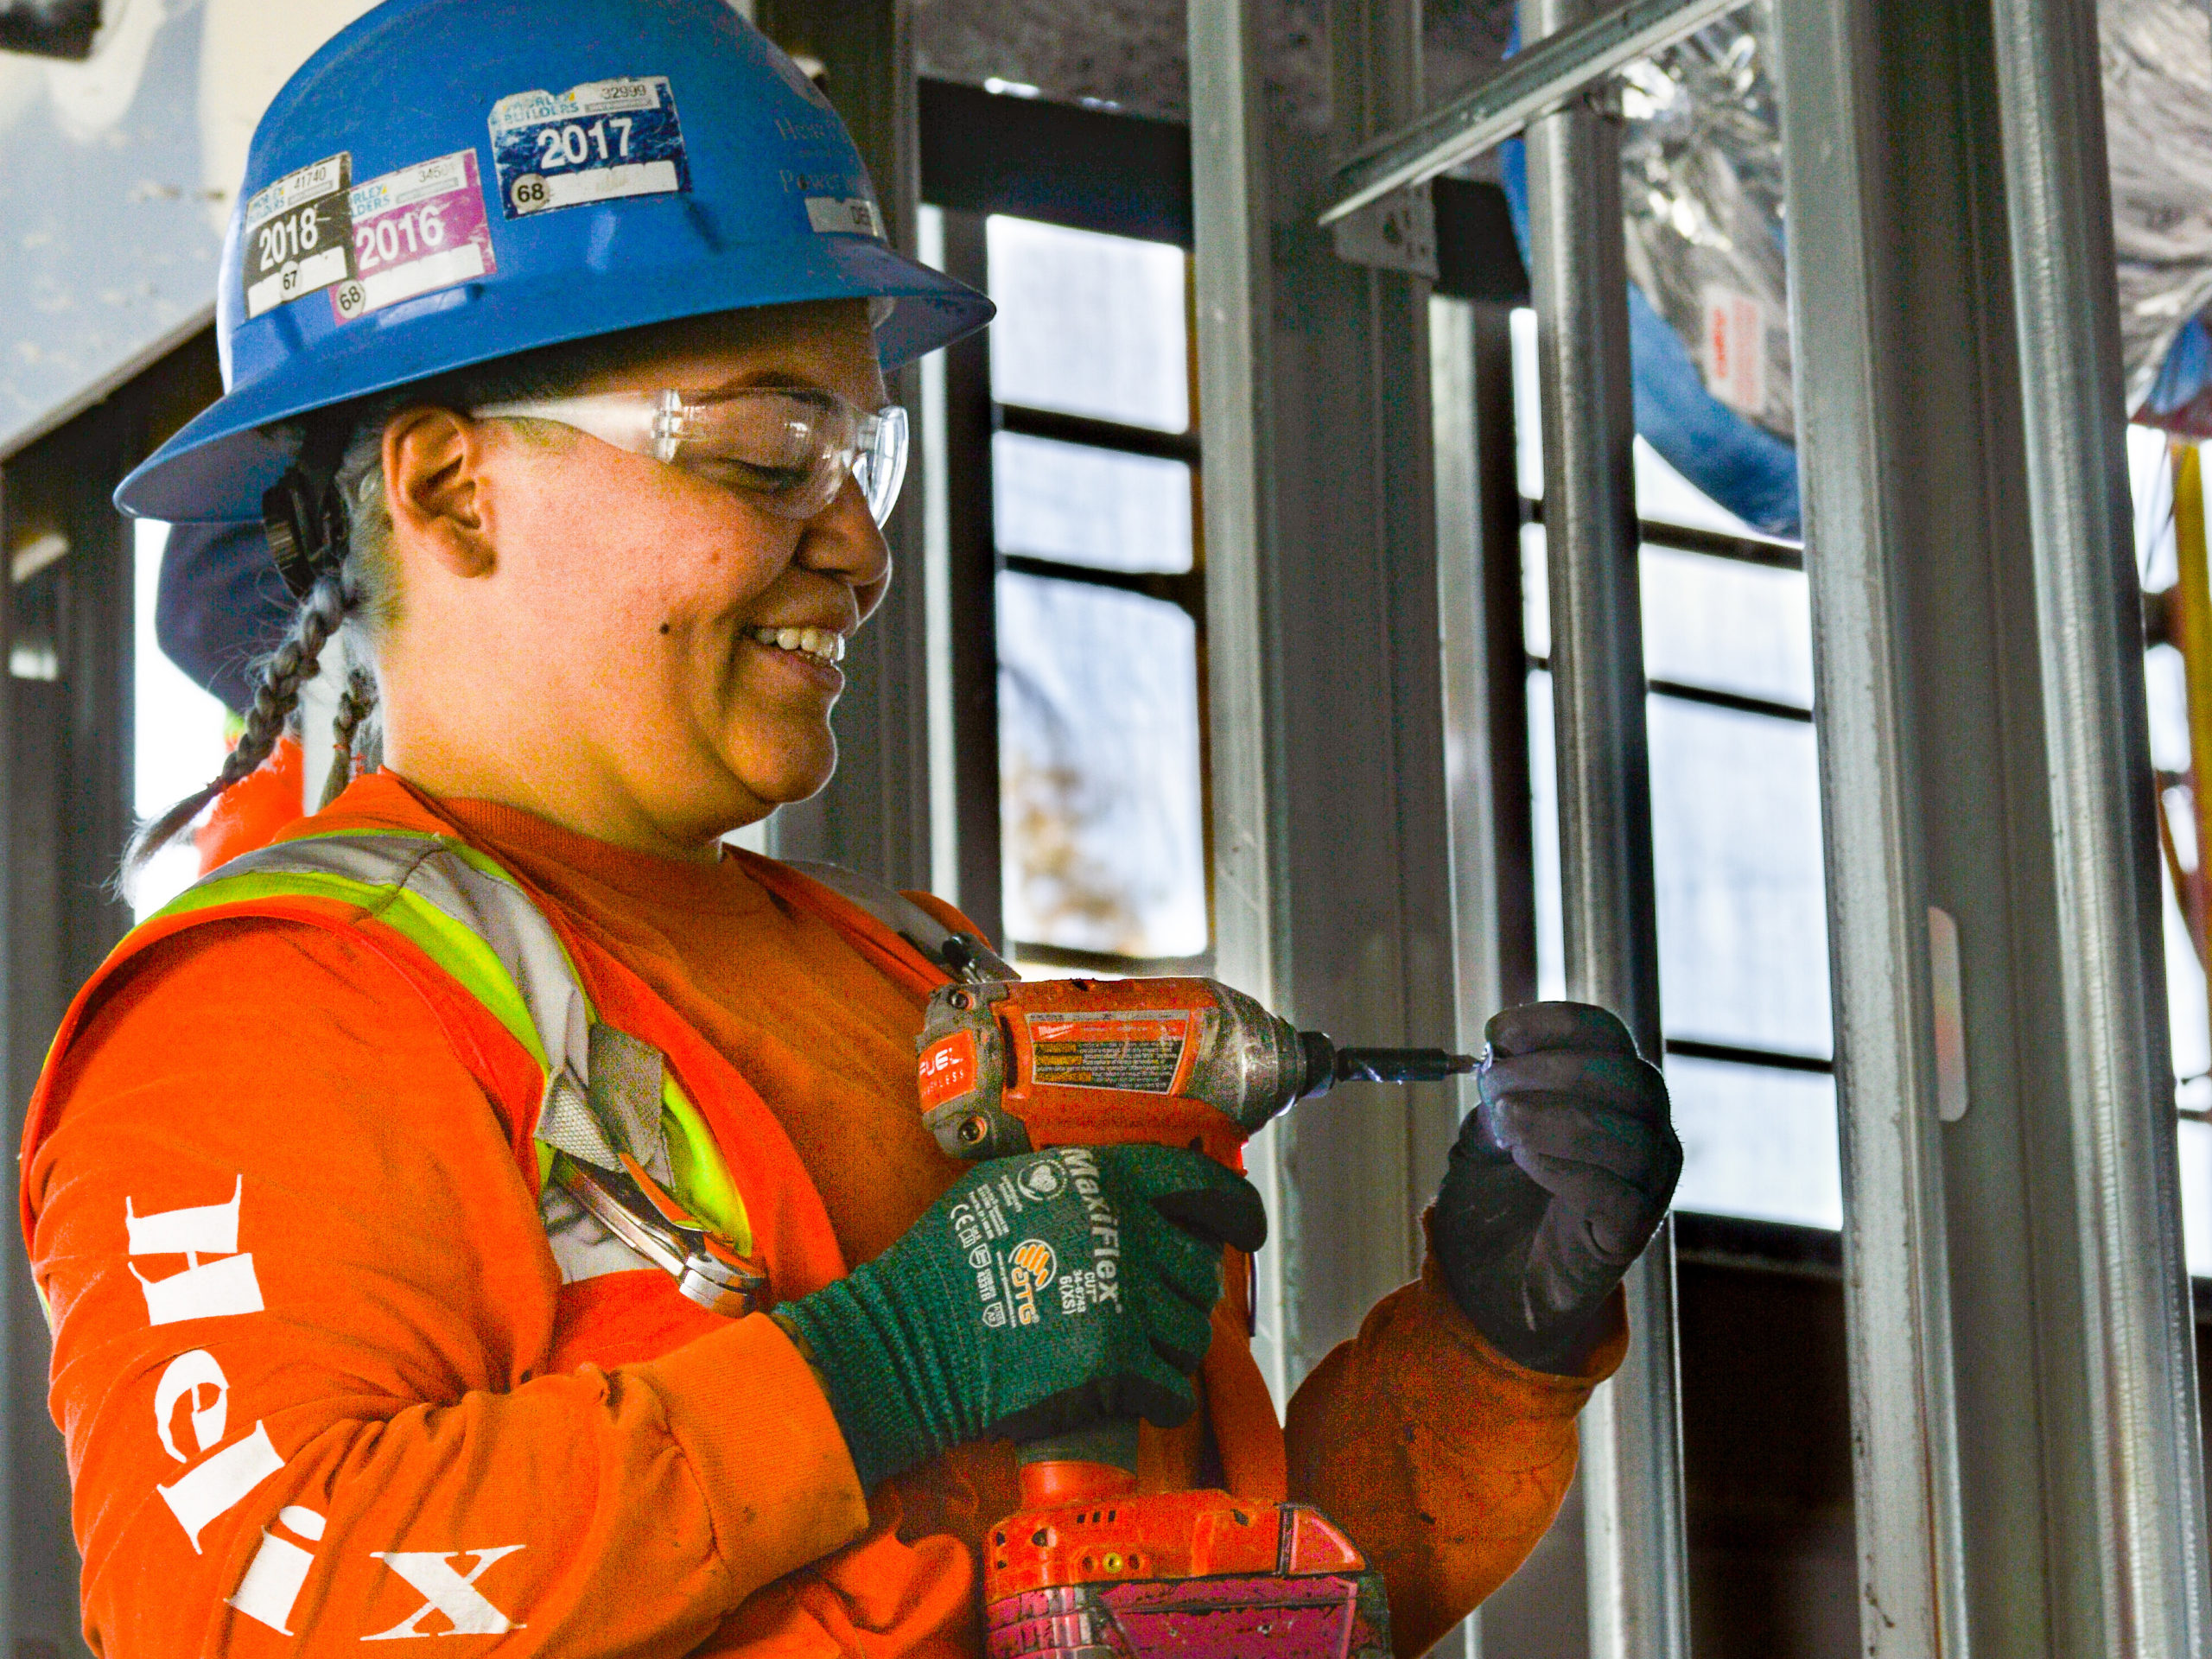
x: 598, y: 636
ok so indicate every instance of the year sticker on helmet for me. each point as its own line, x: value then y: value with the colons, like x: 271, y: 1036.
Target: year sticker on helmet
x: 598, y: 141
x: 416, y: 231
x: 299, y: 235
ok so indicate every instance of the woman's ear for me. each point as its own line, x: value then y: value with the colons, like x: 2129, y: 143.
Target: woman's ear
x: 434, y: 462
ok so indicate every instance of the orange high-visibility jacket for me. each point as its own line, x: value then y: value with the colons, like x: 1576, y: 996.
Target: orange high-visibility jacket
x: 322, y: 1381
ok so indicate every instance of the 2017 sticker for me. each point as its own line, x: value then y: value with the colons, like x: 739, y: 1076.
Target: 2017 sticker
x: 416, y: 231
x: 598, y: 141
x: 299, y: 235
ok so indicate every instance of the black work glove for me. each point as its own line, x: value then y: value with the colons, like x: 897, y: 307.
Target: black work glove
x: 1557, y: 1181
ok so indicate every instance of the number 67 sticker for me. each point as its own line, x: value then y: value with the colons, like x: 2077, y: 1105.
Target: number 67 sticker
x: 416, y: 231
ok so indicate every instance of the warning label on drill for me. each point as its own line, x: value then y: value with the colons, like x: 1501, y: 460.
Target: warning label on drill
x: 1139, y: 1051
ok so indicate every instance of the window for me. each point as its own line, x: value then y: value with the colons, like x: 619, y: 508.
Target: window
x: 1099, y: 599
x: 1736, y: 833
x: 2150, y: 475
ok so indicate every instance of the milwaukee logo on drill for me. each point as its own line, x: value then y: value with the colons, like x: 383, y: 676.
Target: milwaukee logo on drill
x: 1141, y: 1051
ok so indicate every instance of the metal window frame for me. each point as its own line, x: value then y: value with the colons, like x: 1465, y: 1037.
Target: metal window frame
x: 2027, y: 1449
x: 66, y: 780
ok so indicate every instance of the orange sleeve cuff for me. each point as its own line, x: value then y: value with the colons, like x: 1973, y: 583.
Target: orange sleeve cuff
x: 744, y: 1409
x: 1444, y: 1459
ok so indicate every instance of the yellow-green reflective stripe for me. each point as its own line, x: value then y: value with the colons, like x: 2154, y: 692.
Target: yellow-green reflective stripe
x: 454, y: 947
x: 703, y: 1183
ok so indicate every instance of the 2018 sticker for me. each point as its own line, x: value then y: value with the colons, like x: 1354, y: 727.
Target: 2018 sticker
x: 416, y: 231
x: 598, y: 141
x: 299, y: 235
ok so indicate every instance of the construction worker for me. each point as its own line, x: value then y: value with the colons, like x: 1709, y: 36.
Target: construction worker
x: 497, y: 1211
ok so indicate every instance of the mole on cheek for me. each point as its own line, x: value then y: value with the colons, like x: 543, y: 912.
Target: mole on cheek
x: 663, y: 628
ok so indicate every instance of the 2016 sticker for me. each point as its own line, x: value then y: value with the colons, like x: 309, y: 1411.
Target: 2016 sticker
x: 416, y: 231
x: 299, y: 235
x: 598, y: 142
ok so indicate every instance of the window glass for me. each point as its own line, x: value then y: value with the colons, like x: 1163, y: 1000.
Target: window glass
x: 1717, y: 623
x: 1090, y: 506
x: 1088, y: 324
x: 2196, y: 1196
x: 1728, y: 626
x: 1543, y: 811
x: 2167, y: 689
x: 2151, y: 479
x: 1535, y: 592
x: 1736, y: 840
x: 177, y: 731
x: 1757, y: 1141
x: 2186, y: 1004
x: 1098, y: 772
x: 1664, y: 496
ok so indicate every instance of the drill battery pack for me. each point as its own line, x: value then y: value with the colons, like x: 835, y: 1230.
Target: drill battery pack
x: 1196, y: 1575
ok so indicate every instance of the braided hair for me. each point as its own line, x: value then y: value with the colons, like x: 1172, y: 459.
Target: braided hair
x: 292, y: 663
x: 355, y: 704
x: 357, y: 596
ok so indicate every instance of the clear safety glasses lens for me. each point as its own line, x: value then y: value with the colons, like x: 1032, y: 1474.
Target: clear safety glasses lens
x: 789, y: 451
x: 793, y: 450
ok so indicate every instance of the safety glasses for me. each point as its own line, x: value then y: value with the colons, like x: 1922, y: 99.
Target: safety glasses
x: 790, y: 447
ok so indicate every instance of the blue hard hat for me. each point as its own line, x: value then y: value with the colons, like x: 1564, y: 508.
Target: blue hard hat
x: 448, y: 182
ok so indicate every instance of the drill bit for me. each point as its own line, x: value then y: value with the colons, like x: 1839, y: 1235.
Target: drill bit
x: 1327, y: 1065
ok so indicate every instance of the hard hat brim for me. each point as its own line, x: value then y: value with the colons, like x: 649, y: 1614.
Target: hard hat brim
x: 216, y: 469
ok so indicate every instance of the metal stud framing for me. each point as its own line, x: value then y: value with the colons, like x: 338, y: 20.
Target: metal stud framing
x: 1333, y: 868
x: 2022, y: 1384
x: 1632, y: 1430
x: 2028, y: 1476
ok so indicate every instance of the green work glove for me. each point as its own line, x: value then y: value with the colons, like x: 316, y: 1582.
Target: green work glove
x: 1041, y: 1294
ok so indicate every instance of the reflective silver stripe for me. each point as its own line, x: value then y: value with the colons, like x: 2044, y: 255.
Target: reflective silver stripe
x: 497, y: 912
x: 493, y: 907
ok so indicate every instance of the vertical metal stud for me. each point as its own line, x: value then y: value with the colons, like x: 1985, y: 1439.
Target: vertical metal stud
x: 1333, y: 873
x: 2138, y: 1348
x: 1905, y: 1455
x: 1631, y: 1433
x: 2023, y: 1393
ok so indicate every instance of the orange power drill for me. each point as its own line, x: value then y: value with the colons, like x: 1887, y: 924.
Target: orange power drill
x: 1089, y: 1569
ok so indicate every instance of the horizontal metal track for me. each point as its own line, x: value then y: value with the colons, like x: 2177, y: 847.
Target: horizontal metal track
x: 1185, y: 588
x: 1690, y: 1048
x: 1765, y: 707
x: 1770, y: 551
x: 1536, y: 80
x: 1098, y: 435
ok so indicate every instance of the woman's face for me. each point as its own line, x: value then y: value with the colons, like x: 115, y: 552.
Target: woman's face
x: 595, y: 635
